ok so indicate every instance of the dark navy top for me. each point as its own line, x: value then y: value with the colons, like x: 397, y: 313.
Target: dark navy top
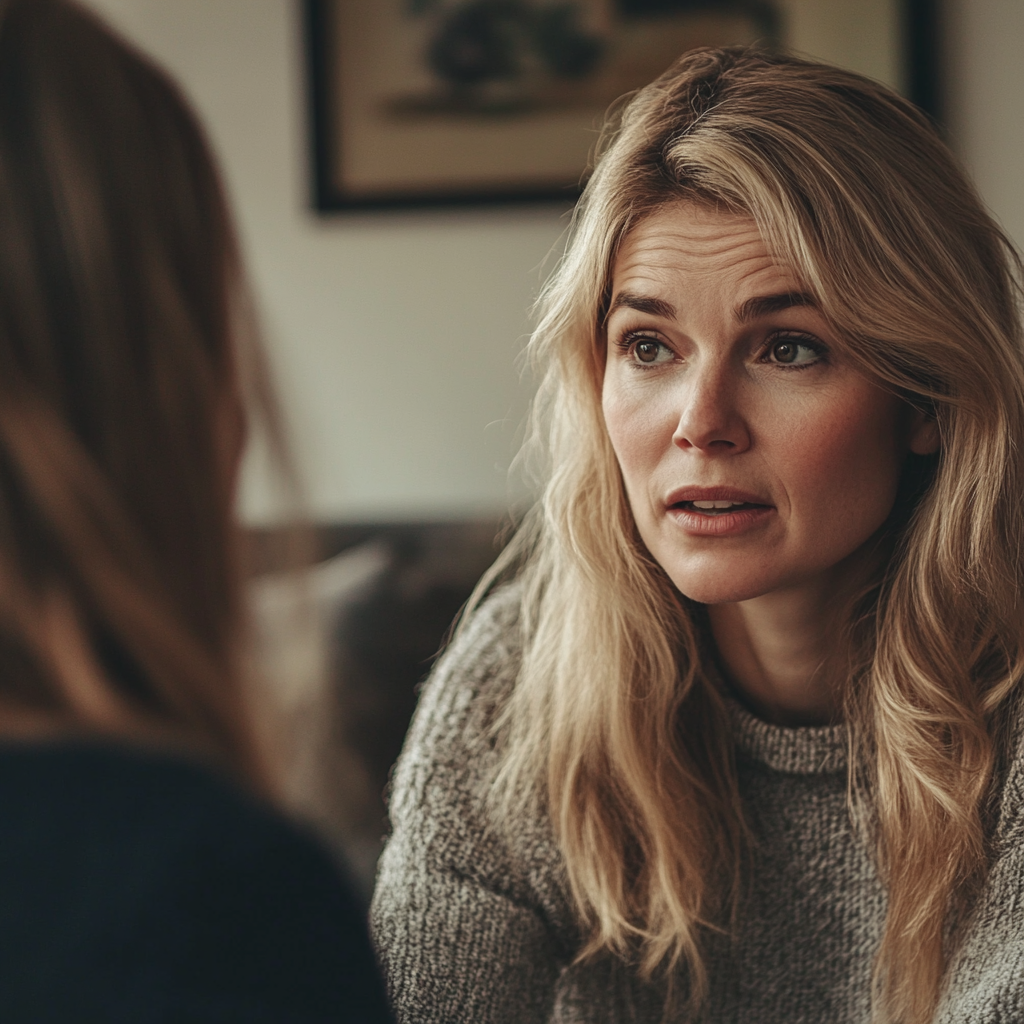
x: 140, y: 887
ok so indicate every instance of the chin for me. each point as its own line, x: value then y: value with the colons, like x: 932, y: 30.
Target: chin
x: 719, y: 585
x: 718, y: 593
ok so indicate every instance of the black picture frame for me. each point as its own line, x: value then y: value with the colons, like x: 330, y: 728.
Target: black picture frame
x: 919, y: 46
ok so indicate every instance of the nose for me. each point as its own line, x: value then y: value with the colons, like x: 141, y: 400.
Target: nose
x: 711, y: 419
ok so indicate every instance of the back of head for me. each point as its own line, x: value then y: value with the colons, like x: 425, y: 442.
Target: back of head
x: 120, y: 416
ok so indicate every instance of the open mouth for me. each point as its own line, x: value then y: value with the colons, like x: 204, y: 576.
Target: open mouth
x: 716, y: 508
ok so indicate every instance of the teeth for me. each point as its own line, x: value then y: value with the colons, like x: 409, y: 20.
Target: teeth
x: 715, y: 504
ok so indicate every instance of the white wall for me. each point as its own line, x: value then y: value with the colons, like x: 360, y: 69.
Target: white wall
x: 984, y: 41
x: 395, y: 336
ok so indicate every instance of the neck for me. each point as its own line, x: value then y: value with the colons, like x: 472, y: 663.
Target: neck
x: 779, y: 651
x: 785, y: 652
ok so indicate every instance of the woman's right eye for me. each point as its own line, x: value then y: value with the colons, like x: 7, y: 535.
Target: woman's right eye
x: 648, y: 351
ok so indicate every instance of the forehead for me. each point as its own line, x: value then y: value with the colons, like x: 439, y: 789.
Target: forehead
x: 684, y: 245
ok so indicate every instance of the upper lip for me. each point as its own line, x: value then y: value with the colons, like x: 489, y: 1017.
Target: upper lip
x: 695, y: 493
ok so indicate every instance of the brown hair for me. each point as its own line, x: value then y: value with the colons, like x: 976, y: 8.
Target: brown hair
x: 615, y: 718
x: 120, y: 407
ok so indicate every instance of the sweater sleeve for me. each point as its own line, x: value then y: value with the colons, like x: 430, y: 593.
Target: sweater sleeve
x: 469, y: 917
x: 985, y: 981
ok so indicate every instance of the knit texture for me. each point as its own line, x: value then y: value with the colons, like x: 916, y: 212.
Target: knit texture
x: 473, y: 922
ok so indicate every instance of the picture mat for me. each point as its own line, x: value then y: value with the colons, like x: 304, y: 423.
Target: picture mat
x: 378, y: 151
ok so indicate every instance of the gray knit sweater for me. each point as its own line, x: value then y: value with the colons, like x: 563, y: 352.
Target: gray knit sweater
x: 473, y: 923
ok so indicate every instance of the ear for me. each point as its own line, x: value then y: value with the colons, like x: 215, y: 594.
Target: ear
x: 923, y: 433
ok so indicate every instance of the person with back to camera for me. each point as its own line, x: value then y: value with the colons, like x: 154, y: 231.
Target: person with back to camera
x: 738, y: 738
x: 144, y: 876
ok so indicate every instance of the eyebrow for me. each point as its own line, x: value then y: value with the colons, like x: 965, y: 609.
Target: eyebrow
x: 765, y: 305
x: 642, y: 304
x: 752, y: 309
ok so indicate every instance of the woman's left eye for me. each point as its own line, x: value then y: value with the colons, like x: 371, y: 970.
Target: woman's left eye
x: 791, y: 351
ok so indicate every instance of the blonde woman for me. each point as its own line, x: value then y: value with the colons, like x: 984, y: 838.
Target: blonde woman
x: 733, y: 731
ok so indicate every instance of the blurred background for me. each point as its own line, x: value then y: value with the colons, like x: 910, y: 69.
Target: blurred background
x: 394, y: 335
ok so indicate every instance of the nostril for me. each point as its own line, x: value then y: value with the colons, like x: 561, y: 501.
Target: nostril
x: 717, y: 444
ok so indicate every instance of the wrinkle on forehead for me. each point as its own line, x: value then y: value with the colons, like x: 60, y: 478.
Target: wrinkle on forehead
x: 686, y: 236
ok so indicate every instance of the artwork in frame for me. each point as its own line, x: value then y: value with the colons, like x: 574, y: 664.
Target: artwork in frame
x: 438, y: 102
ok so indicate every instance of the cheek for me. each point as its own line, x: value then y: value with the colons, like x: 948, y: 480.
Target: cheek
x: 635, y: 429
x: 852, y: 457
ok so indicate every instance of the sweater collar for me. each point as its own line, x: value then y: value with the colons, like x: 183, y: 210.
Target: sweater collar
x: 806, y: 750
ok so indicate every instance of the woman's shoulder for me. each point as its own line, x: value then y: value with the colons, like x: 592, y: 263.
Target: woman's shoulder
x: 485, y: 654
x: 451, y: 730
x: 157, y: 889
x: 471, y: 913
x: 441, y: 806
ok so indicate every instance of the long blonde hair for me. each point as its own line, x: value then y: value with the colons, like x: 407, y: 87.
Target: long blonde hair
x: 613, y: 721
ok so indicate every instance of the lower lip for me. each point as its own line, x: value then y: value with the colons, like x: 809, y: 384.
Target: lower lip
x: 724, y: 524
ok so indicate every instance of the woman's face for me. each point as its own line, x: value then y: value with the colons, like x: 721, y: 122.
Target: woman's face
x: 755, y: 458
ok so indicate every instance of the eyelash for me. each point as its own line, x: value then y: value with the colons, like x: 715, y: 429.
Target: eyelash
x: 628, y: 342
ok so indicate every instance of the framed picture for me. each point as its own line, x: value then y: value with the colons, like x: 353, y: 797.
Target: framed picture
x: 440, y: 102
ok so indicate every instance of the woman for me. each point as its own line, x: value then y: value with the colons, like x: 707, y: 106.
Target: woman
x: 145, y: 875
x: 740, y: 740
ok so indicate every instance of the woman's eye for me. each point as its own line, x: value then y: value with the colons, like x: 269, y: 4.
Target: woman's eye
x: 793, y: 352
x: 650, y: 351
